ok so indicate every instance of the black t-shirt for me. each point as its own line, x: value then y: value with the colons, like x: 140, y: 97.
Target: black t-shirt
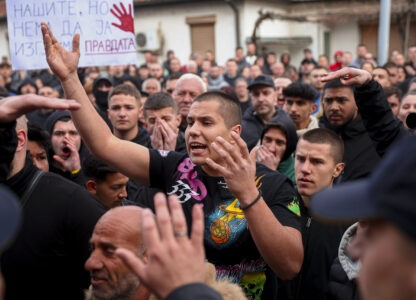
x: 228, y: 243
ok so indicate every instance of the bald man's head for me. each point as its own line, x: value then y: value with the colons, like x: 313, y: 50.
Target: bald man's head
x: 119, y: 227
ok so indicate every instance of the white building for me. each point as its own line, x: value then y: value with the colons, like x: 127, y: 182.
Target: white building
x: 187, y: 26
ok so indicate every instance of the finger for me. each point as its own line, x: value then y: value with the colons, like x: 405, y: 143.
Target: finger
x: 123, y: 8
x: 132, y: 262
x: 217, y: 167
x: 75, y: 43
x: 253, y: 154
x: 115, y: 14
x: 225, y: 155
x: 163, y: 218
x: 116, y: 25
x: 232, y: 150
x: 59, y: 159
x: 197, y: 232
x: 117, y: 9
x: 178, y: 219
x: 130, y: 14
x: 241, y: 144
x: 53, y: 38
x: 151, y: 235
x: 47, y: 41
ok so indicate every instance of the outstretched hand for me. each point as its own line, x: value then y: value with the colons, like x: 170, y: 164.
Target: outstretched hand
x: 173, y: 259
x: 240, y: 170
x: 62, y: 62
x: 12, y: 108
x: 349, y: 76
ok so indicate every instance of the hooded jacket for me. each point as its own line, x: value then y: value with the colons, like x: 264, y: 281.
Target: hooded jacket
x: 287, y: 164
x: 252, y: 126
x: 344, y: 271
x: 79, y: 177
x: 24, y: 82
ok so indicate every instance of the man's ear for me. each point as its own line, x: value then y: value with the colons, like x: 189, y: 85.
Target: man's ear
x: 313, y: 107
x: 338, y: 169
x: 236, y: 129
x: 91, y: 187
x: 179, y: 119
x: 21, y: 140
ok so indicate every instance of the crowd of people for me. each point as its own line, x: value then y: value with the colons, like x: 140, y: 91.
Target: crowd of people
x: 256, y: 156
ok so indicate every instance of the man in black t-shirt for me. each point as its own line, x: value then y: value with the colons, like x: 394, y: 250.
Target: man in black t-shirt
x: 251, y: 224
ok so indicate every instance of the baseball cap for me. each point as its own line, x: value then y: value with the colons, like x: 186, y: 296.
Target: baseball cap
x: 262, y: 80
x: 388, y: 194
x: 10, y: 216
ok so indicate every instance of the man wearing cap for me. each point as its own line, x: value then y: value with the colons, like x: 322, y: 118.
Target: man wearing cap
x: 385, y: 206
x: 46, y: 259
x: 263, y: 97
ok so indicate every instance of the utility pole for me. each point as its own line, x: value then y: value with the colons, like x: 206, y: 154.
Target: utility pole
x: 383, y: 31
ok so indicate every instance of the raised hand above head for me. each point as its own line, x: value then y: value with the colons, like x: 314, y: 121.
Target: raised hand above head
x: 349, y: 76
x: 61, y: 61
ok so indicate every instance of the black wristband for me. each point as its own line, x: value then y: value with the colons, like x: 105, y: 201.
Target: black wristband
x: 252, y: 203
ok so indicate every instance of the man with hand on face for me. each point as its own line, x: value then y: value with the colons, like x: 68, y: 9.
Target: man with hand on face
x: 67, y: 151
x: 162, y: 120
x: 278, y: 142
x: 218, y: 172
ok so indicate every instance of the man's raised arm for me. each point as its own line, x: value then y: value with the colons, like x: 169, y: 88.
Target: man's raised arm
x: 131, y: 159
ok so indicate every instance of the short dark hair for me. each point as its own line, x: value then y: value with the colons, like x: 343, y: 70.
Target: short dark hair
x: 382, y: 68
x: 326, y: 136
x: 335, y: 84
x: 300, y: 90
x: 125, y: 89
x: 410, y: 93
x: 389, y: 65
x: 229, y: 107
x: 158, y: 101
x: 95, y: 169
x: 392, y: 90
x: 5, y: 65
x: 38, y: 135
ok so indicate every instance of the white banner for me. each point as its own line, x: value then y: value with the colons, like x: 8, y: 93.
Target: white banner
x: 106, y: 28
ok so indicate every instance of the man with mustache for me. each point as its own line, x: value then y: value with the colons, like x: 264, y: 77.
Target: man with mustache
x: 341, y: 116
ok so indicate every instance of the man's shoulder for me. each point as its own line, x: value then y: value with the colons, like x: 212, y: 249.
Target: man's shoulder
x: 61, y: 189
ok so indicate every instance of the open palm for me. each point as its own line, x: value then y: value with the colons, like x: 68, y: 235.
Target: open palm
x: 61, y: 61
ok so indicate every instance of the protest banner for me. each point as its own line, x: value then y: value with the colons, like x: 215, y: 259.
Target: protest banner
x: 106, y: 28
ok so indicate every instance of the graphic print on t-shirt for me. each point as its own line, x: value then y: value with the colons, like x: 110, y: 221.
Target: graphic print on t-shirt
x: 188, y: 186
x: 224, y: 226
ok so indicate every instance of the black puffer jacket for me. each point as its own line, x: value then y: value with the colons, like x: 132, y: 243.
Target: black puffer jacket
x: 360, y: 156
x: 252, y: 126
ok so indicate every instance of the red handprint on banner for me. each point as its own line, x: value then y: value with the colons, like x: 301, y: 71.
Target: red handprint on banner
x: 125, y: 18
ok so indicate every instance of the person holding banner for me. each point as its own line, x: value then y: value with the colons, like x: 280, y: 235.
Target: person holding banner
x: 218, y: 172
